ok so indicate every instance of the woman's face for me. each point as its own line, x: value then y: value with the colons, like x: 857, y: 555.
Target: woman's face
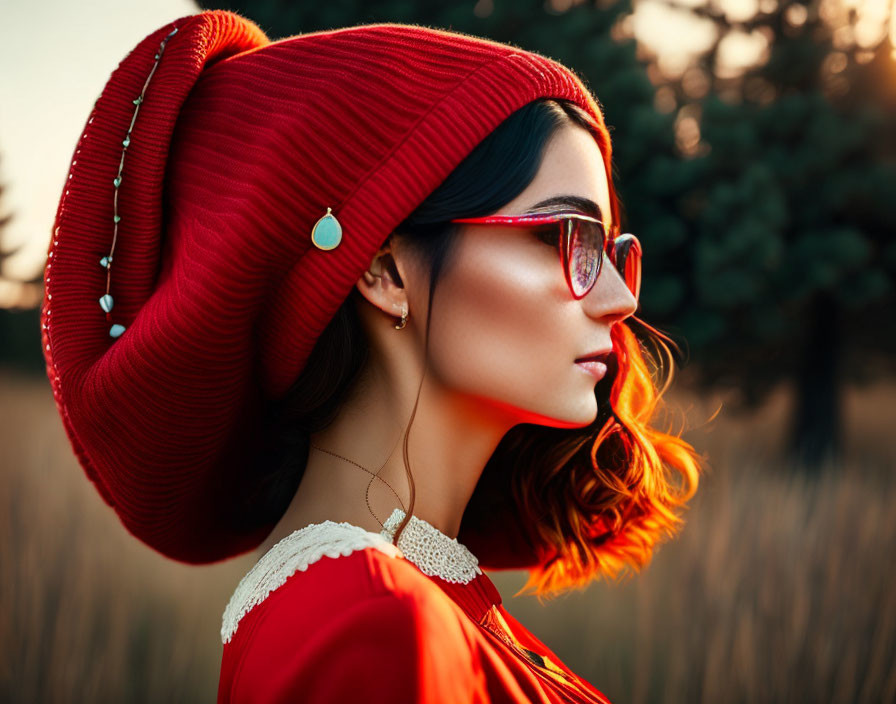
x: 506, y: 328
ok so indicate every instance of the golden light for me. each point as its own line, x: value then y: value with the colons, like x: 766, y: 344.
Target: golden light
x: 860, y: 23
x: 893, y: 32
x: 687, y: 132
x: 739, y: 10
x: 796, y: 15
x: 871, y: 27
x: 675, y: 35
x: 739, y: 50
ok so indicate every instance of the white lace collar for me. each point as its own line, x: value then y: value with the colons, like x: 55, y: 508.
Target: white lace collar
x: 433, y: 552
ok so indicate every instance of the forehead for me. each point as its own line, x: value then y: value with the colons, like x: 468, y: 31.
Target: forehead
x: 572, y: 165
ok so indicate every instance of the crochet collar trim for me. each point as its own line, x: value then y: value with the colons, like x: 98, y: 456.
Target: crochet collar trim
x: 433, y: 552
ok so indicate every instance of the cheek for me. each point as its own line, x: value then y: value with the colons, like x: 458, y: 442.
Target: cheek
x: 502, y: 324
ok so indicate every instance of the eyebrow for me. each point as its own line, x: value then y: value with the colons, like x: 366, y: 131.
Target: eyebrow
x: 567, y: 201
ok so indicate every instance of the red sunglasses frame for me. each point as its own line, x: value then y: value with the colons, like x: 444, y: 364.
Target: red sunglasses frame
x: 629, y: 267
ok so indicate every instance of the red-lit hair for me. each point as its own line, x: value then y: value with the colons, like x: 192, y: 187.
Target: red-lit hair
x: 626, y: 495
x: 621, y: 491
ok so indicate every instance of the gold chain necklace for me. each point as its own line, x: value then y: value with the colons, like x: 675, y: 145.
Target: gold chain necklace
x: 404, y: 320
x: 372, y: 477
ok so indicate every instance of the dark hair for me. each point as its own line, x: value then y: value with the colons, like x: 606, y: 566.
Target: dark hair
x: 494, y: 173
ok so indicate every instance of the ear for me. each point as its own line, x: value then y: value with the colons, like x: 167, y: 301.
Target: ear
x: 381, y: 284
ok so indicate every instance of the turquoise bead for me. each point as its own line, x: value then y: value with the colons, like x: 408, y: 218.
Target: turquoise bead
x: 117, y: 181
x: 116, y: 330
x: 106, y: 302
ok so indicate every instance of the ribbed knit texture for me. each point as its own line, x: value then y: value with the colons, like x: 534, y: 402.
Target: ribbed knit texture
x: 240, y: 146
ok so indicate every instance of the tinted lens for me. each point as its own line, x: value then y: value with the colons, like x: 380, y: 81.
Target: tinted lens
x: 586, y: 241
x: 627, y: 258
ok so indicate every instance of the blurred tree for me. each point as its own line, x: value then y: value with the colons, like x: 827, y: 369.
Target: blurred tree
x: 793, y: 258
x: 19, y: 318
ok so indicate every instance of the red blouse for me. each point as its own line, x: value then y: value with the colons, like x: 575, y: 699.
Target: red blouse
x: 366, y: 624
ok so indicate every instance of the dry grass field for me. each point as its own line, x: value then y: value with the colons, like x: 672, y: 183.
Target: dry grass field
x: 778, y: 589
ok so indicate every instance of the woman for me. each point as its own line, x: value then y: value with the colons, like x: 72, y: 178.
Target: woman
x: 370, y: 317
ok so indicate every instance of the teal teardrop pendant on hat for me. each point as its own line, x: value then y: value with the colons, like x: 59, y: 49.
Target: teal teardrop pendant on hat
x: 327, y: 232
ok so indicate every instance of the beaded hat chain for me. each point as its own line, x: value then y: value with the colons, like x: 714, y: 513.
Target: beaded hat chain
x: 106, y: 301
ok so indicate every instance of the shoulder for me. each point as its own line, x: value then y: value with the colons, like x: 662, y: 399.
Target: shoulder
x: 366, y: 626
x: 381, y: 649
x: 296, y: 553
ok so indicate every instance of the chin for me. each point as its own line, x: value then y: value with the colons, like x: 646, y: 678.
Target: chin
x: 574, y: 407
x: 579, y: 421
x: 577, y: 415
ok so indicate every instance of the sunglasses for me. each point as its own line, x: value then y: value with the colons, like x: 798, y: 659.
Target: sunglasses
x: 581, y: 241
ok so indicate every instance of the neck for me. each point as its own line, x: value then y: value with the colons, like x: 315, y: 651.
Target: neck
x: 451, y: 439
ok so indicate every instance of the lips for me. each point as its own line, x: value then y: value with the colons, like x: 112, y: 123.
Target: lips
x: 599, y: 356
x: 598, y: 364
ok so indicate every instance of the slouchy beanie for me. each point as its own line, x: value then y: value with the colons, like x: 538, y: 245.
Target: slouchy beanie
x: 183, y: 288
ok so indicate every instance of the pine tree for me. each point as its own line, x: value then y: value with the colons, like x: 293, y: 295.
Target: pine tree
x: 793, y: 254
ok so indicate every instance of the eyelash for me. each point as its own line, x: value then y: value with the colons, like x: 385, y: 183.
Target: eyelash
x: 548, y: 234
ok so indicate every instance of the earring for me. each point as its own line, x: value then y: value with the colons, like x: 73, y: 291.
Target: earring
x: 404, y: 317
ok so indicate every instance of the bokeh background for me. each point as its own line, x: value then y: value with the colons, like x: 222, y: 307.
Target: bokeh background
x: 755, y: 143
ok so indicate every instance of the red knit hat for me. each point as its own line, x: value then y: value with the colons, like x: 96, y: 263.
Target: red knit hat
x: 182, y: 286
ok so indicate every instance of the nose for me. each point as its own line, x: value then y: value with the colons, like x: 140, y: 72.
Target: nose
x: 610, y: 299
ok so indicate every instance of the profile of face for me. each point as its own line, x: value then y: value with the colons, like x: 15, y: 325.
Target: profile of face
x: 506, y: 329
